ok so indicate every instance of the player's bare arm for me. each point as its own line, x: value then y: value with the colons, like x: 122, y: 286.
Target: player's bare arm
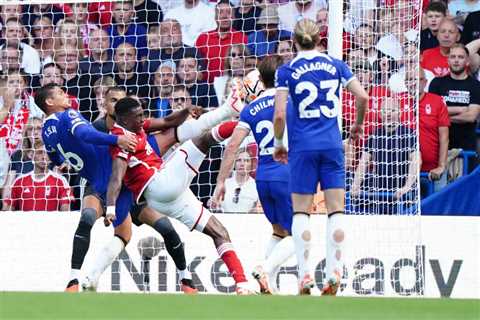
x: 279, y: 118
x: 119, y: 168
x: 361, y: 103
x: 228, y: 160
x: 171, y: 121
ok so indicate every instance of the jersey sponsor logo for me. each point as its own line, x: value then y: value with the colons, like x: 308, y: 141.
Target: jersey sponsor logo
x: 27, y: 190
x: 314, y: 66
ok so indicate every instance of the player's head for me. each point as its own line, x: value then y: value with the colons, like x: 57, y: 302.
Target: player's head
x: 129, y: 114
x: 306, y: 34
x: 112, y: 96
x: 51, y: 98
x: 267, y: 69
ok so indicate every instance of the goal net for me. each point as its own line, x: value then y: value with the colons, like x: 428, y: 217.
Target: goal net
x: 169, y: 53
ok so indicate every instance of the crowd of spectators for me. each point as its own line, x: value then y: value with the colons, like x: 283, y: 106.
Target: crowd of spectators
x: 187, y: 52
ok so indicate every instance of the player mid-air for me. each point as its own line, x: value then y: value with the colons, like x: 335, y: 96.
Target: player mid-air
x: 272, y: 178
x: 164, y: 186
x: 70, y: 138
x: 315, y: 154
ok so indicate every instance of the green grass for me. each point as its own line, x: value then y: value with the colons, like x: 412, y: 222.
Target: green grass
x: 161, y: 306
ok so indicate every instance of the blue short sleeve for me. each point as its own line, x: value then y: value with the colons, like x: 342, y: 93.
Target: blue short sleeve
x: 281, y: 78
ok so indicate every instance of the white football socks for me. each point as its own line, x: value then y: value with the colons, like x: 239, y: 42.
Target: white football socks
x: 282, y: 251
x: 105, y: 258
x: 184, y: 274
x: 74, y: 274
x: 271, y: 245
x: 302, y: 239
x: 335, y: 246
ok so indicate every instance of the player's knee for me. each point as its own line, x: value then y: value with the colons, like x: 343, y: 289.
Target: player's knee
x: 87, y: 218
x: 163, y: 226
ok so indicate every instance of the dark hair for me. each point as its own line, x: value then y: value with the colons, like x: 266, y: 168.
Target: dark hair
x: 125, y: 105
x: 50, y: 65
x: 267, y: 68
x: 219, y: 2
x: 42, y: 94
x: 437, y: 7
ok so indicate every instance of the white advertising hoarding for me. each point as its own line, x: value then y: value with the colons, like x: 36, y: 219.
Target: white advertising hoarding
x: 386, y: 255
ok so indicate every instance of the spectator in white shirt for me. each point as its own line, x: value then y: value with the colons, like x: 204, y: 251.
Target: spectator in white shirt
x: 195, y: 17
x: 240, y: 190
x: 293, y: 11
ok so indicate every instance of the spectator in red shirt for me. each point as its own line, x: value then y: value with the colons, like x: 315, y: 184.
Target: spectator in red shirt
x: 434, y: 123
x: 213, y: 45
x: 39, y: 190
x: 435, y: 61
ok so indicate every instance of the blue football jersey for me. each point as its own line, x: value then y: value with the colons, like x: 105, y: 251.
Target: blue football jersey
x: 313, y: 81
x: 258, y: 118
x: 92, y: 162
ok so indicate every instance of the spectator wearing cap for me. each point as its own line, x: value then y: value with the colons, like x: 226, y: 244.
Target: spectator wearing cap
x: 171, y: 47
x: 163, y: 83
x: 195, y: 17
x: 246, y: 16
x: 13, y: 33
x: 265, y: 41
x: 213, y: 45
x: 296, y: 10
x: 202, y: 93
x: 99, y: 61
x: 124, y: 29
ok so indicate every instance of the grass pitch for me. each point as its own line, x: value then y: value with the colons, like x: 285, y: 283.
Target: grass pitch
x: 161, y: 306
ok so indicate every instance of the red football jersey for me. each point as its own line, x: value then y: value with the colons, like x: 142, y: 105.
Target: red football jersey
x: 434, y: 61
x: 142, y: 164
x: 47, y: 194
x: 433, y: 113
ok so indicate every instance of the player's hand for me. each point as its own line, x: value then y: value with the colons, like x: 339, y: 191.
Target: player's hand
x: 127, y: 142
x: 108, y: 220
x: 218, y: 195
x: 436, y: 173
x: 280, y: 154
x: 356, y: 131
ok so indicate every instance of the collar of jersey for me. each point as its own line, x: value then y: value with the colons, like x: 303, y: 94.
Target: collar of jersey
x: 119, y: 126
x: 52, y: 116
x: 309, y: 54
x: 268, y: 92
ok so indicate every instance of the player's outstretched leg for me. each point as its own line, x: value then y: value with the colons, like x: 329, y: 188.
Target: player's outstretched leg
x: 173, y: 245
x: 81, y: 240
x: 194, y: 128
x: 215, y: 229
